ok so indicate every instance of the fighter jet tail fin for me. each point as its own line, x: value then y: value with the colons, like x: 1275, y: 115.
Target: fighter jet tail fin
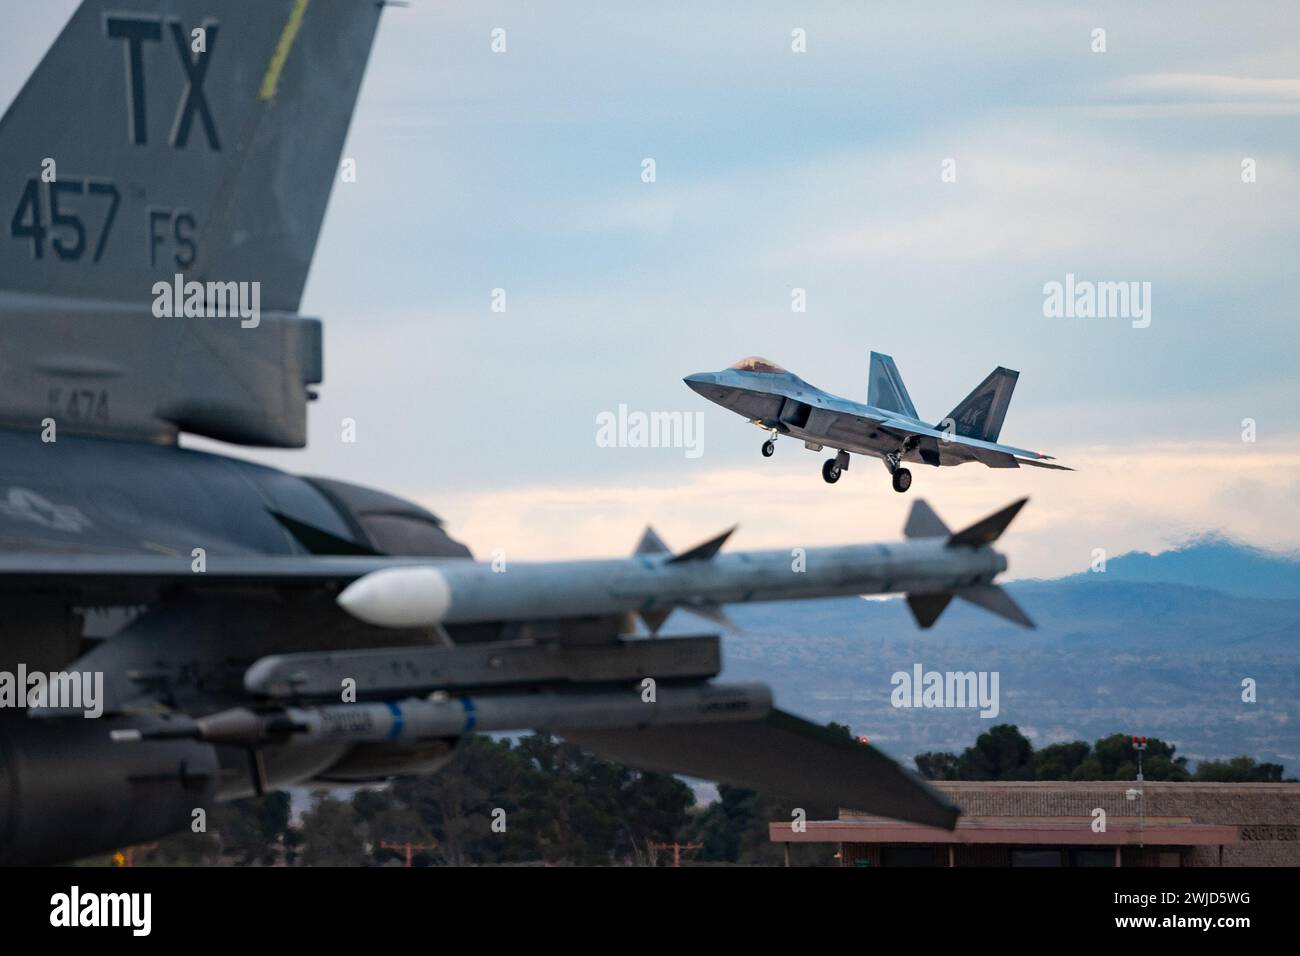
x: 180, y: 136
x: 885, y: 388
x: 781, y: 755
x: 981, y: 413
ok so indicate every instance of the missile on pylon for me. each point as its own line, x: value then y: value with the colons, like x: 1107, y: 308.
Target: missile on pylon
x: 931, y: 566
x: 445, y: 716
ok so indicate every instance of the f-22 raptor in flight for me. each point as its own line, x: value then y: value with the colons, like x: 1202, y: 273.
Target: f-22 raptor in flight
x: 887, y: 426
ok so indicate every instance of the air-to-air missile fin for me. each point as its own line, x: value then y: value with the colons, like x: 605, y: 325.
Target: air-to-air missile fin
x: 702, y: 552
x: 654, y: 619
x: 651, y: 543
x: 926, y: 608
x: 714, y: 613
x: 924, y: 523
x: 319, y: 541
x: 987, y: 530
x: 781, y: 755
x: 995, y: 599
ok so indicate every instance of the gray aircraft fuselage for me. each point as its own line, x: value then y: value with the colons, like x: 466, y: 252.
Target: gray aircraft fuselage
x: 88, y: 495
x: 101, y: 495
x: 886, y: 426
x: 785, y: 403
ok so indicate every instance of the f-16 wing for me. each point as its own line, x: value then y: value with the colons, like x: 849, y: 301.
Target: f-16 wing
x: 775, y: 755
x: 125, y: 579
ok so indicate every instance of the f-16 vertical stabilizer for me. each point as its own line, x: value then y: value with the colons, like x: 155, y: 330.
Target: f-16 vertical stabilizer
x: 164, y: 175
x: 192, y: 136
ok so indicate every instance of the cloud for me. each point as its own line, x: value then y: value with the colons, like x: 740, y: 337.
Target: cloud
x: 1030, y: 192
x: 1249, y: 94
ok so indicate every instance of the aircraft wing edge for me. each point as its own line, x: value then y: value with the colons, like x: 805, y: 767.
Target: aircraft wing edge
x: 1043, y: 463
x: 781, y: 755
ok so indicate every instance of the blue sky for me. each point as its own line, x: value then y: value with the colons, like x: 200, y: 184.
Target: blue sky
x: 821, y: 171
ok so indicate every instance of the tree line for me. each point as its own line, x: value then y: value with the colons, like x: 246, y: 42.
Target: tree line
x: 1004, y: 753
x: 540, y: 800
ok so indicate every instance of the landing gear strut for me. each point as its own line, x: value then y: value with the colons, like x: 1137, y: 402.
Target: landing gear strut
x: 902, y: 478
x: 833, y: 467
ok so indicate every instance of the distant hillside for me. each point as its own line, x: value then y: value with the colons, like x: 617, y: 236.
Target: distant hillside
x: 1110, y: 655
x: 1211, y: 561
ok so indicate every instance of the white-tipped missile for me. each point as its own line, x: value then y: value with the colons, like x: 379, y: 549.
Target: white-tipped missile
x: 931, y: 567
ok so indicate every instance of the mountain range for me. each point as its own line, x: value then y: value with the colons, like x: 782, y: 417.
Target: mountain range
x: 1157, y: 645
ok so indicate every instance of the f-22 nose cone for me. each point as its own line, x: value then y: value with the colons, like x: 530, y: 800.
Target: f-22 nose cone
x: 699, y: 380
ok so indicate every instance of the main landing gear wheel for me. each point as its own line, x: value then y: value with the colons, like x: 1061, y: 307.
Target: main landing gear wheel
x: 902, y: 479
x: 831, y: 471
x: 768, y: 447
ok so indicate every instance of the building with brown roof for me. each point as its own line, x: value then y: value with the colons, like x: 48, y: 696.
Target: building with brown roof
x: 1095, y: 823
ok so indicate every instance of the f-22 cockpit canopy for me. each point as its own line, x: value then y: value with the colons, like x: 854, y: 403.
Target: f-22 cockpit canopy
x: 755, y: 363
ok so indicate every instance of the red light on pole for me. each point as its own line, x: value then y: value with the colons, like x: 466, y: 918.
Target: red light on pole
x: 1139, y: 744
